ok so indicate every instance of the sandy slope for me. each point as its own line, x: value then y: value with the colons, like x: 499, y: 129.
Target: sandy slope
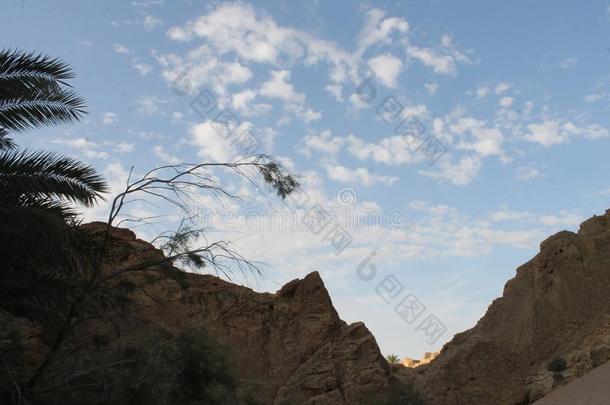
x: 591, y: 389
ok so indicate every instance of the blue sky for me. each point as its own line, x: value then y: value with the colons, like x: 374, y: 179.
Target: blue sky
x: 517, y: 94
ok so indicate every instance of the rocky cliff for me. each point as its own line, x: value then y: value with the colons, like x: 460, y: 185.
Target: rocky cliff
x: 287, y: 347
x: 292, y: 347
x: 557, y: 305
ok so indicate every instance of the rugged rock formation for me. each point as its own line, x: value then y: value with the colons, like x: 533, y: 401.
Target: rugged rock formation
x: 557, y: 305
x: 428, y: 357
x: 292, y: 346
x: 288, y: 346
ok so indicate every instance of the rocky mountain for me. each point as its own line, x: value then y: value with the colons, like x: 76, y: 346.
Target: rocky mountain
x: 557, y: 306
x: 291, y: 347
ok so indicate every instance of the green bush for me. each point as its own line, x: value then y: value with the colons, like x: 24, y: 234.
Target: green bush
x: 558, y: 377
x: 557, y: 365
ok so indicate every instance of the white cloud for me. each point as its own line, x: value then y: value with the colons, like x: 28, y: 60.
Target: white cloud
x: 323, y: 142
x: 502, y: 88
x: 84, y: 146
x: 147, y: 106
x: 110, y: 118
x: 482, y: 92
x: 243, y: 102
x: 459, y: 174
x: 254, y: 37
x: 592, y: 98
x: 485, y: 141
x: 165, y: 156
x: 202, y: 67
x: 547, y: 133
x: 151, y: 22
x: 360, y: 175
x: 147, y: 3
x: 121, y: 49
x: 177, y: 117
x: 386, y: 68
x: 563, y: 219
x: 431, y: 87
x: 506, y: 101
x: 378, y: 29
x: 528, y: 173
x: 500, y: 216
x: 418, y: 111
x: 278, y: 87
x: 335, y: 90
x: 442, y: 64
x: 306, y: 114
x: 443, y: 59
x: 393, y: 150
x: 563, y: 64
x: 236, y: 27
x: 567, y: 63
x: 142, y: 68
x: 554, y: 132
x: 214, y: 146
x: 124, y: 147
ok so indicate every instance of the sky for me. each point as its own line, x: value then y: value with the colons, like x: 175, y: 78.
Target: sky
x: 437, y: 142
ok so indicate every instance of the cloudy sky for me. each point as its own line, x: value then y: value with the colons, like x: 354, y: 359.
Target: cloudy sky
x: 442, y: 140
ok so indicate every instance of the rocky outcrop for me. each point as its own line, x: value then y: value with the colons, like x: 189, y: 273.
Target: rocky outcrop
x: 428, y: 357
x: 557, y: 305
x: 289, y: 346
x: 292, y: 347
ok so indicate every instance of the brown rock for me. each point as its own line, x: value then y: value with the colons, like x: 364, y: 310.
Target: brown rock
x: 428, y: 357
x: 557, y: 305
x: 288, y: 346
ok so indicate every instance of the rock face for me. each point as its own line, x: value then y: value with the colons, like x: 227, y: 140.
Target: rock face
x: 557, y: 305
x: 428, y: 357
x: 292, y: 347
x: 288, y: 346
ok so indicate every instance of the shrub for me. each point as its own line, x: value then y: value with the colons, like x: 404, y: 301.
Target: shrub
x: 557, y: 365
x: 558, y: 377
x: 159, y: 369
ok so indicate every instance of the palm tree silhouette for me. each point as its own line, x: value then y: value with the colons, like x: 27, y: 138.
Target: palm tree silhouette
x: 34, y: 92
x: 38, y: 190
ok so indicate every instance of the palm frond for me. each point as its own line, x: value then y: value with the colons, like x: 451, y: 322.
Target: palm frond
x: 40, y: 107
x: 44, y: 205
x: 6, y: 143
x: 14, y: 86
x: 34, y: 91
x: 16, y: 62
x: 45, y: 174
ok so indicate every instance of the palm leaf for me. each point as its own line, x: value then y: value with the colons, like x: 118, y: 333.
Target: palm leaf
x: 6, y: 143
x: 44, y: 174
x: 15, y: 62
x: 33, y: 91
x: 40, y: 107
